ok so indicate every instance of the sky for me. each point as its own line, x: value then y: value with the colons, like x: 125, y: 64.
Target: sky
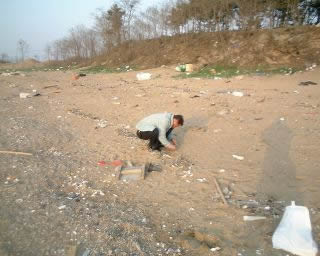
x: 39, y: 22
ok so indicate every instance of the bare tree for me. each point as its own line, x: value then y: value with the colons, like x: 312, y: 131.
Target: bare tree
x: 23, y: 47
x: 110, y: 26
x: 129, y: 7
x: 48, y: 51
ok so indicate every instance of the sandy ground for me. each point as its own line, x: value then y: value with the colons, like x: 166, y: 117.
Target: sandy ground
x: 60, y: 201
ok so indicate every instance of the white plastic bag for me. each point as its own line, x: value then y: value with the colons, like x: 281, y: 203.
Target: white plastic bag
x: 143, y: 76
x: 294, y: 233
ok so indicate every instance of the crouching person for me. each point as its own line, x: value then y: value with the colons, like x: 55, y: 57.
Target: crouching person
x: 157, y: 129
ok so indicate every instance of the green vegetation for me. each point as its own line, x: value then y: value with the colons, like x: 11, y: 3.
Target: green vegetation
x: 92, y: 70
x: 217, y: 72
x: 34, y: 69
x: 101, y: 69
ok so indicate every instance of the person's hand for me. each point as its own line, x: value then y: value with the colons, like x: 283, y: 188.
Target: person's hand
x: 174, y: 142
x: 171, y: 147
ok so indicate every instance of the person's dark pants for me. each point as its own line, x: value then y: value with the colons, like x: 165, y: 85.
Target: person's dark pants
x: 153, y: 137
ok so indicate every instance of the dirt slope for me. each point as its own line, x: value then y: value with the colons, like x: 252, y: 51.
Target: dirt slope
x: 292, y: 47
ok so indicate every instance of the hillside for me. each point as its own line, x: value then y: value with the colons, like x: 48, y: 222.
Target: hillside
x: 294, y: 47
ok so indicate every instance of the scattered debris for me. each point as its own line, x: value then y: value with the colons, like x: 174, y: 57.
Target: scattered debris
x: 77, y: 76
x: 238, y: 157
x: 102, y: 124
x: 61, y: 207
x: 15, y: 153
x: 102, y: 163
x: 143, y: 76
x: 24, y: 95
x: 213, y: 71
x: 117, y: 163
x: 181, y: 68
x: 189, y: 68
x: 132, y: 172
x: 253, y: 218
x: 13, y: 74
x: 219, y: 191
x: 307, y: 83
x: 294, y: 233
x: 237, y: 94
x: 215, y: 249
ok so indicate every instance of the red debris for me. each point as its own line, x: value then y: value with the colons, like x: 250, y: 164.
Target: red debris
x: 116, y: 163
x: 102, y: 163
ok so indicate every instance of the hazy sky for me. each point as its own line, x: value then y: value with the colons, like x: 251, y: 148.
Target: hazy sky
x: 39, y: 22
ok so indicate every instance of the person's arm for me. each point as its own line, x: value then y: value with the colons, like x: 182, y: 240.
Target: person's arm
x: 162, y: 136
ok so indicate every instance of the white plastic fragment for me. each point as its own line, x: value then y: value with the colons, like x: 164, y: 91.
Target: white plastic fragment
x: 237, y: 94
x: 102, y: 123
x: 294, y: 233
x: 202, y: 180
x: 24, y: 95
x: 143, y: 76
x: 215, y: 249
x: 238, y: 157
x: 252, y: 218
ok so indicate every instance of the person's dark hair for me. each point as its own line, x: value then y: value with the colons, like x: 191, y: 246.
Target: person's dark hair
x: 179, y: 118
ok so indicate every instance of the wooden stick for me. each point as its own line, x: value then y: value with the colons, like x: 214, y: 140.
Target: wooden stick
x: 220, y: 192
x: 15, y: 153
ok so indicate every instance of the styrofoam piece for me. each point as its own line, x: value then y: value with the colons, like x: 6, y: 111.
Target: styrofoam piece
x: 294, y: 233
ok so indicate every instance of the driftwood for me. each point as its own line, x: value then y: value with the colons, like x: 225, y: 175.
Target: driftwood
x: 220, y: 192
x: 15, y: 153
